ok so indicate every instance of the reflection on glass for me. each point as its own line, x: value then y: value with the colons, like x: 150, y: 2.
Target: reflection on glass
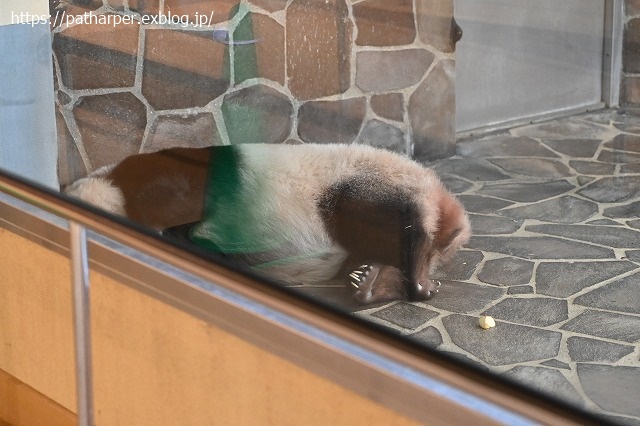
x: 168, y: 109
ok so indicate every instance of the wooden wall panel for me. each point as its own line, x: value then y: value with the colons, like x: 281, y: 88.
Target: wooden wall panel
x: 156, y: 365
x: 153, y: 364
x: 36, y: 326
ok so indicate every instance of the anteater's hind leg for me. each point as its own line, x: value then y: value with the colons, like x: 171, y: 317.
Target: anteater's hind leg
x: 381, y: 229
x: 377, y: 283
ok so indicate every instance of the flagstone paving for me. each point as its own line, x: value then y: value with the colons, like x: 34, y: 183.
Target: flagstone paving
x: 554, y: 258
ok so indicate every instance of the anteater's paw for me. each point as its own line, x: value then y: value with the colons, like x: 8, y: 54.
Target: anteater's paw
x: 372, y: 283
x: 425, y: 291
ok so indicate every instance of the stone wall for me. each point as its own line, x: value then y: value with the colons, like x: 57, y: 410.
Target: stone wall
x: 207, y: 72
x: 630, y: 90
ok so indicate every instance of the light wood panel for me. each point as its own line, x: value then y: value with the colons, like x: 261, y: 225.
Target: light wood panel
x: 153, y: 364
x: 156, y: 365
x: 36, y: 328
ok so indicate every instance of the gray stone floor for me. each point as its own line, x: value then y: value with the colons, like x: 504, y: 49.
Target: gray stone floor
x: 555, y: 259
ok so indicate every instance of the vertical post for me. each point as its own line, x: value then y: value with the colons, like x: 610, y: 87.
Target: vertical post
x: 82, y: 324
x: 612, y: 52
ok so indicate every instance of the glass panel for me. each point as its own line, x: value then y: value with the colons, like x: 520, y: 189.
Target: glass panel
x: 245, y: 129
x: 28, y: 138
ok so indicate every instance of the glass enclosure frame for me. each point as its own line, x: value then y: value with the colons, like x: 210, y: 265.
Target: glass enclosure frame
x: 387, y: 369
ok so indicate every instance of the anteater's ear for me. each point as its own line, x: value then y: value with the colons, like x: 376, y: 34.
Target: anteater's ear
x: 453, y: 226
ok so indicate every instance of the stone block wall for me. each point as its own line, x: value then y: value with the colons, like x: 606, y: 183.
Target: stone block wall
x: 630, y: 90
x: 206, y: 72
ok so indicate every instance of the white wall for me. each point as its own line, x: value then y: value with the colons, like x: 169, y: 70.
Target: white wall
x: 27, y: 116
x: 521, y: 58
